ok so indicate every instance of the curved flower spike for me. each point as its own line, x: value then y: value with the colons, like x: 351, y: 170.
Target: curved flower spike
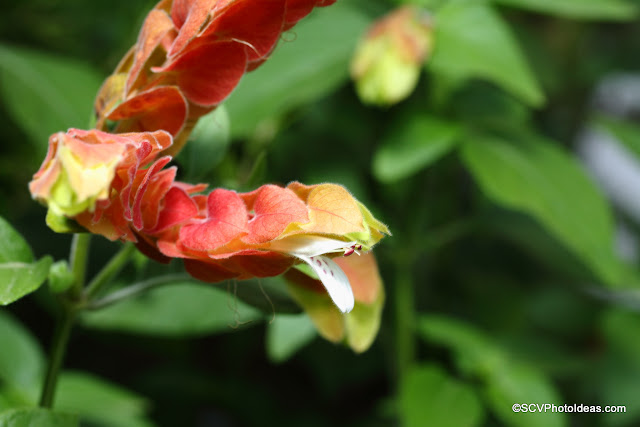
x: 115, y: 185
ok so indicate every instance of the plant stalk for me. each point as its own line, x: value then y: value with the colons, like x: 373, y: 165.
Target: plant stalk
x: 405, y: 321
x: 137, y: 289
x: 78, y: 261
x: 109, y: 271
x: 58, y: 350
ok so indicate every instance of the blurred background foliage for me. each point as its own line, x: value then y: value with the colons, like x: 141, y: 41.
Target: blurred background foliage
x: 509, y: 177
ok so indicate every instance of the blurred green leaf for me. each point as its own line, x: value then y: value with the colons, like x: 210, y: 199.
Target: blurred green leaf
x: 507, y: 380
x: 475, y: 354
x: 621, y: 329
x: 472, y: 40
x: 46, y: 93
x: 36, y: 417
x: 530, y: 235
x: 12, y: 246
x: 579, y: 9
x: 626, y: 132
x: 310, y: 62
x: 287, y: 334
x: 18, y: 275
x: 4, y: 402
x: 431, y: 397
x: 21, y: 358
x: 617, y: 377
x: 18, y: 279
x: 99, y: 402
x: 413, y: 144
x: 181, y: 309
x: 207, y: 144
x: 519, y: 383
x: 536, y: 177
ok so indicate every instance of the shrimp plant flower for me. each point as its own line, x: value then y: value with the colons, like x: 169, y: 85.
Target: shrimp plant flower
x: 115, y: 180
x: 117, y: 186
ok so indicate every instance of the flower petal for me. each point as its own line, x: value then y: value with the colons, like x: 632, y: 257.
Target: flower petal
x: 309, y: 245
x: 334, y: 280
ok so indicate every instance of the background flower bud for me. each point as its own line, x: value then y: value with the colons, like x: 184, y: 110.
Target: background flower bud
x: 387, y: 62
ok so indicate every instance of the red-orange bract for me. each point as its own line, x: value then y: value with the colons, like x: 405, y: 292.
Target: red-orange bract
x: 189, y: 57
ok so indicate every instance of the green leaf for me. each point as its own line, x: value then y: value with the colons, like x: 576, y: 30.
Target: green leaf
x: 207, y: 144
x: 472, y: 40
x: 12, y: 246
x: 21, y: 358
x: 579, y: 9
x: 431, y: 397
x: 531, y: 236
x: 475, y: 354
x: 626, y: 132
x: 506, y: 380
x: 519, y: 383
x: 181, y: 309
x: 617, y: 377
x: 45, y: 93
x: 311, y: 61
x: 18, y: 279
x: 413, y: 144
x: 36, y: 417
x: 535, y: 177
x: 100, y: 402
x: 287, y: 334
x: 620, y: 328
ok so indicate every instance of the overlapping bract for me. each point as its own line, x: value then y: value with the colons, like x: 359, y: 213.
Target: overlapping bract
x: 189, y: 57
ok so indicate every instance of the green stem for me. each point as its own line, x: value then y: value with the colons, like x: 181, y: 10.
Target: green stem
x: 109, y: 271
x: 405, y: 320
x: 136, y: 289
x: 58, y: 350
x: 78, y: 260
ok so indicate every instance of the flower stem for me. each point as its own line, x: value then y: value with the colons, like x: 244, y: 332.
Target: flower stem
x: 110, y: 270
x: 136, y: 289
x: 405, y: 321
x: 58, y: 350
x: 78, y: 260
